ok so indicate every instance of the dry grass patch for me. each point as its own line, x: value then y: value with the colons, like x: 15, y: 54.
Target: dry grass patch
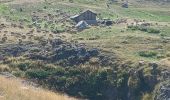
x: 12, y: 89
x: 165, y: 62
x: 4, y: 68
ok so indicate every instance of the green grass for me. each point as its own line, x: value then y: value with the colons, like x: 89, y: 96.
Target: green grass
x: 14, y: 14
x: 165, y: 31
x: 116, y: 35
x: 102, y: 32
x: 4, y: 9
x: 125, y: 43
x: 145, y: 14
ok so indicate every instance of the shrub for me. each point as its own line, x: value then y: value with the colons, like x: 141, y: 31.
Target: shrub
x: 132, y: 27
x: 74, y: 72
x: 152, y: 30
x: 59, y: 71
x: 18, y: 73
x: 144, y: 29
x: 23, y: 66
x: 37, y: 74
x: 148, y: 53
x: 160, y: 56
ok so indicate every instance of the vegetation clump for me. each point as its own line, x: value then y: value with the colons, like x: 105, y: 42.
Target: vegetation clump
x: 148, y: 53
x: 144, y: 29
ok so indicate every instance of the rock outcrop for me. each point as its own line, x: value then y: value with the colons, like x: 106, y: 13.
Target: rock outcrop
x: 163, y: 92
x: 56, y: 51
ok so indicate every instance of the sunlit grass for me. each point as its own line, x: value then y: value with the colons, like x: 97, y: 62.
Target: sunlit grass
x: 13, y: 89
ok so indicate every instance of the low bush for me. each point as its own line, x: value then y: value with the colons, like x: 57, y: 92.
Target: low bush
x: 18, y: 73
x: 37, y: 74
x: 152, y: 30
x: 148, y: 53
x: 23, y: 66
x: 132, y: 27
x: 144, y: 29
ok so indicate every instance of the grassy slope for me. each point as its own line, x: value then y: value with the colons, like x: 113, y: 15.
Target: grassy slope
x: 13, y: 89
x: 111, y: 38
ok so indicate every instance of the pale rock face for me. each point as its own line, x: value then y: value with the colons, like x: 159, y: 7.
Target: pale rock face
x: 163, y: 93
